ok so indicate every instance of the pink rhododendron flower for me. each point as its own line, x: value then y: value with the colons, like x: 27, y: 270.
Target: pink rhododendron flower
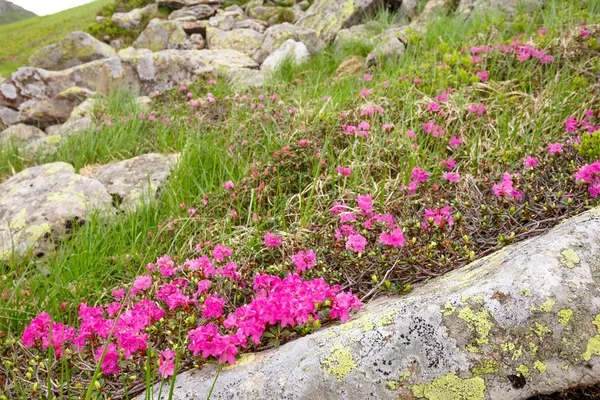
x: 571, y: 124
x: 118, y: 294
x: 452, y: 176
x: 530, y: 162
x: 368, y: 77
x: 394, y: 239
x: 590, y: 174
x: 213, y: 306
x: 555, y: 148
x: 220, y: 252
x: 304, y: 260
x: 166, y: 266
x: 166, y: 362
x: 476, y: 109
x: 433, y: 107
x: 343, y: 171
x: 356, y: 242
x: 387, y: 127
x: 439, y: 217
x: 141, y: 284
x: 347, y: 216
x: 365, y: 203
x: 228, y: 185
x: 483, y: 75
x: 419, y: 175
x: 271, y: 240
x: 110, y: 363
x: 342, y: 304
x: 456, y: 141
x: 506, y: 188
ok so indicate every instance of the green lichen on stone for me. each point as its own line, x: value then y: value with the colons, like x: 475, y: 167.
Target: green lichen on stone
x: 540, y: 329
x: 387, y: 318
x: 509, y: 346
x: 340, y: 362
x: 36, y: 232
x: 569, y: 258
x: 451, y: 387
x: 564, y: 316
x: 593, y: 345
x: 486, y: 367
x: 448, y: 309
x: 517, y: 353
x: 565, y: 367
x: 540, y: 366
x: 547, y: 305
x: 18, y: 221
x: 392, y: 385
x: 478, y: 322
x: 523, y: 370
x: 244, y: 359
x: 526, y: 292
x: 533, y: 348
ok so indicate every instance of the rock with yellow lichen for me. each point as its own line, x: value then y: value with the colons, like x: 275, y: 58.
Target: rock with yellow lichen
x: 520, y: 322
x: 45, y: 202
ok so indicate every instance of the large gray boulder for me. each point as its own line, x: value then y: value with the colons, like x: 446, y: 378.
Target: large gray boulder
x: 133, y: 19
x: 137, y: 180
x: 177, y: 4
x: 276, y: 35
x: 243, y: 78
x: 45, y: 202
x: 21, y: 133
x: 198, y: 12
x: 53, y: 111
x: 520, y: 322
x: 295, y: 52
x: 327, y: 17
x: 74, y: 49
x: 161, y: 35
x: 8, y: 116
x: 225, y: 60
x: 246, y: 41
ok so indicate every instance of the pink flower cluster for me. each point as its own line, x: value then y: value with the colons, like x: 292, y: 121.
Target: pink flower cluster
x: 590, y: 174
x: 506, y: 188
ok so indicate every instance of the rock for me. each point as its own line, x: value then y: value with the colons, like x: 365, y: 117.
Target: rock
x: 508, y: 6
x: 46, y: 145
x: 276, y: 35
x: 362, y: 33
x: 327, y: 17
x: 53, y: 130
x: 200, y: 11
x: 133, y: 19
x: 296, y: 52
x: 144, y: 103
x: 135, y: 180
x: 225, y: 60
x: 117, y: 44
x: 191, y: 25
x: 167, y: 69
x: 74, y: 49
x: 26, y: 83
x: 521, y: 322
x: 76, y: 126
x: 236, y: 14
x: 85, y: 109
x: 243, y: 78
x: 353, y: 66
x: 195, y: 42
x: 408, y: 9
x: 262, y: 12
x: 243, y: 40
x: 235, y: 8
x: 256, y: 24
x: 161, y: 35
x: 100, y: 19
x: 222, y: 22
x: 56, y: 110
x: 45, y: 202
x: 177, y: 4
x: 391, y: 43
x: 434, y: 8
x: 21, y: 133
x: 8, y: 116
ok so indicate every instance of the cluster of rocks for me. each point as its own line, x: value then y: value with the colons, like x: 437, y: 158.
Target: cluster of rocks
x: 43, y: 203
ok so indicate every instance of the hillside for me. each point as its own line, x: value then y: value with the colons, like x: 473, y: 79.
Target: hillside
x: 21, y: 39
x: 10, y: 13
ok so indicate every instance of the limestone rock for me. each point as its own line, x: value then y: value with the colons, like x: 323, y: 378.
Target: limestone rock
x: 44, y: 202
x: 262, y: 12
x: 55, y: 110
x: 391, y: 43
x: 161, y: 35
x: 256, y: 24
x: 8, y: 116
x: 276, y: 35
x: 21, y: 133
x: 243, y: 78
x: 24, y: 84
x: 144, y: 103
x: 408, y: 9
x: 327, y: 17
x: 434, y: 8
x: 177, y: 4
x: 225, y: 60
x: 191, y: 25
x: 195, y: 42
x: 243, y: 40
x: 133, y: 19
x: 135, y: 180
x: 520, y: 322
x: 509, y: 6
x: 45, y: 145
x: 74, y: 49
x: 200, y: 11
x: 296, y: 52
x: 222, y: 22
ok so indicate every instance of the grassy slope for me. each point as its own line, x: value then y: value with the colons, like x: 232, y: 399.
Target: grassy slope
x: 12, y: 17
x: 21, y: 39
x: 526, y: 108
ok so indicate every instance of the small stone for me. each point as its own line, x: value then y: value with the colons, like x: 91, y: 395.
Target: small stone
x: 296, y: 52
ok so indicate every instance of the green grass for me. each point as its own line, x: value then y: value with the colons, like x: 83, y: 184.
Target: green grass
x: 14, y: 16
x: 525, y: 109
x: 21, y: 39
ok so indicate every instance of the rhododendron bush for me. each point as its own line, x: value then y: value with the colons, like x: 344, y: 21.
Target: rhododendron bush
x: 203, y: 302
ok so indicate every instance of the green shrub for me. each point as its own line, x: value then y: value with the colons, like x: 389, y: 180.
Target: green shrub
x: 590, y: 146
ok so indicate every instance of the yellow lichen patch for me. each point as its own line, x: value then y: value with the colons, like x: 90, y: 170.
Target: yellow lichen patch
x: 540, y: 329
x: 36, y: 232
x: 387, y: 318
x: 478, y: 322
x: 339, y: 363
x: 18, y: 221
x: 526, y: 292
x: 533, y: 348
x: 564, y: 316
x: 509, y: 346
x: 448, y: 309
x: 523, y: 370
x: 569, y: 258
x: 517, y: 353
x: 244, y: 359
x: 486, y: 367
x: 593, y: 345
x: 547, y: 305
x: 451, y: 387
x: 540, y: 366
